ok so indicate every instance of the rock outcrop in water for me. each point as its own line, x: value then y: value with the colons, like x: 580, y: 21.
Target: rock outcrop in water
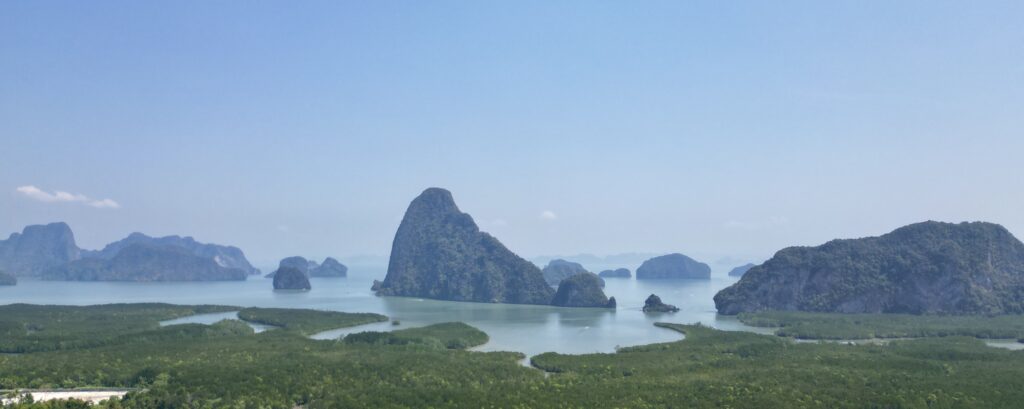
x: 440, y: 253
x: 225, y: 256
x: 924, y: 268
x: 38, y: 248
x: 146, y: 262
x: 558, y: 270
x: 329, y: 268
x: 581, y: 290
x: 654, y: 304
x: 291, y: 278
x: 673, y: 266
x: 616, y: 273
x: 7, y: 279
x: 741, y: 270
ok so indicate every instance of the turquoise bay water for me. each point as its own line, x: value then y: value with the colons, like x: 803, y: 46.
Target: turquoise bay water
x: 525, y: 328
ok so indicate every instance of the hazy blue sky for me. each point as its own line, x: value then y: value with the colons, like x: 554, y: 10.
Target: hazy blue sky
x: 710, y: 128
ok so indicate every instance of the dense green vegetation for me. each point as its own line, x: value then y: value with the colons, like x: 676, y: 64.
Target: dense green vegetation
x: 226, y: 365
x: 806, y: 325
x: 34, y: 328
x: 450, y: 335
x: 307, y: 322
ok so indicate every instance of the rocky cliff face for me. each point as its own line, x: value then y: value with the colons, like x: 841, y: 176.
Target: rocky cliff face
x: 558, y: 270
x: 581, y: 290
x: 616, y: 273
x: 329, y: 268
x: 440, y: 253
x: 291, y: 278
x: 224, y: 256
x: 673, y: 266
x: 38, y: 248
x: 146, y: 262
x: 741, y: 270
x: 930, y: 267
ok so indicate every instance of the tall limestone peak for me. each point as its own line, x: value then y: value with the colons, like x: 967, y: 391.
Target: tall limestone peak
x: 440, y: 253
x: 38, y: 248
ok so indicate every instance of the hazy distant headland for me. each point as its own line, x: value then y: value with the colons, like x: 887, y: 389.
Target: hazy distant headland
x: 50, y: 252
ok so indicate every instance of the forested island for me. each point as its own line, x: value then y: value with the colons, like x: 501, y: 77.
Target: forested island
x: 923, y: 268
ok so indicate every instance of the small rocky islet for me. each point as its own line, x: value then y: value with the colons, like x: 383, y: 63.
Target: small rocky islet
x: 291, y: 278
x: 330, y: 267
x: 673, y: 266
x: 582, y: 290
x: 616, y: 273
x: 654, y: 304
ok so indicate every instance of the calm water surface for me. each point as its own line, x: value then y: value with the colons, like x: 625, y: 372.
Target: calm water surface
x: 525, y: 328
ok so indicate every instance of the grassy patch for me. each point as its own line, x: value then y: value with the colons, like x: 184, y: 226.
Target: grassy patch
x: 449, y: 335
x: 307, y: 322
x: 807, y: 325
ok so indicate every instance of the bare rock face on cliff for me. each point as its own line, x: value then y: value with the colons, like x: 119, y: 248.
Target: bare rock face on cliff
x: 38, y: 248
x: 923, y: 268
x: 440, y: 253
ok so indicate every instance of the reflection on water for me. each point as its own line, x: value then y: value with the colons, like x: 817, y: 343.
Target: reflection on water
x: 211, y: 318
x: 1010, y: 344
x: 531, y: 329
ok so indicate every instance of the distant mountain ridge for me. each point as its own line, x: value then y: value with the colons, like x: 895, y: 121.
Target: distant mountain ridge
x: 923, y: 268
x: 49, y: 252
x: 146, y: 262
x: 224, y: 256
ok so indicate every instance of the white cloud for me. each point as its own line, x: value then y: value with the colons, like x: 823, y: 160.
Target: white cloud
x: 774, y: 221
x: 548, y: 215
x: 59, y: 196
x: 104, y: 204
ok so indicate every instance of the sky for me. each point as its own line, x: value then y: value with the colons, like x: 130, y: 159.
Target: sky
x: 722, y: 130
